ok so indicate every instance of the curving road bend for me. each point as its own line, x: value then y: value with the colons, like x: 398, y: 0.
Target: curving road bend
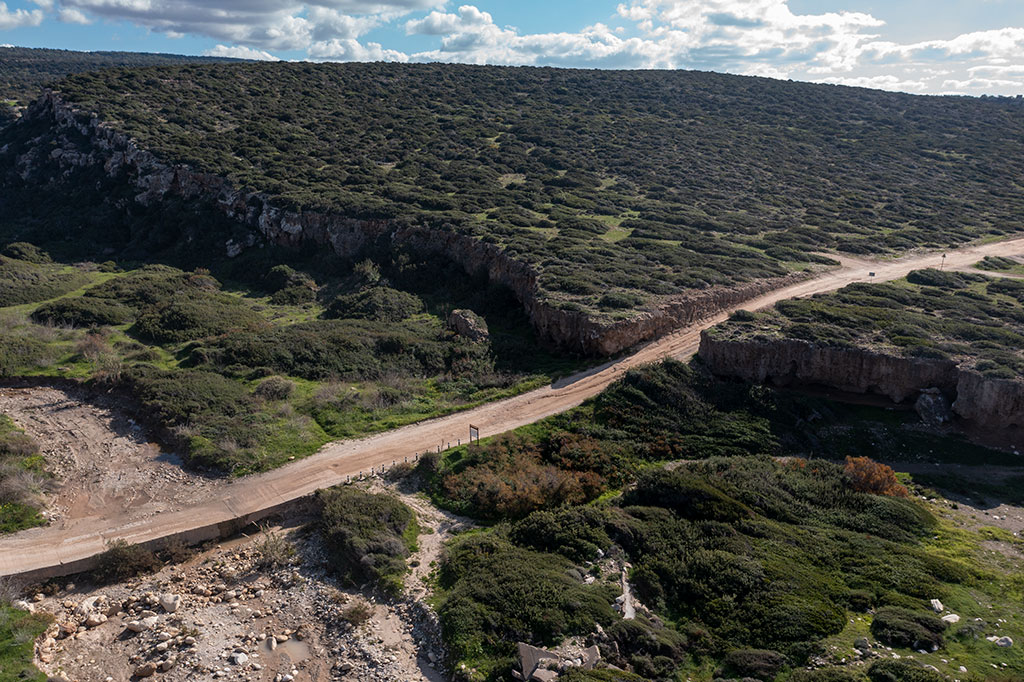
x: 58, y: 550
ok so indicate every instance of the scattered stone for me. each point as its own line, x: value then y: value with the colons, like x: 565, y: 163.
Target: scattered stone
x: 95, y: 620
x: 1004, y: 642
x: 170, y: 602
x: 145, y: 670
x: 951, y: 618
x: 239, y: 658
x: 937, y: 606
x: 135, y: 626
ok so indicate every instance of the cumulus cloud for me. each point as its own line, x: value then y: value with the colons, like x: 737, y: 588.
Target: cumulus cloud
x: 19, y: 17
x: 73, y: 16
x: 752, y: 37
x: 350, y: 50
x: 240, y: 52
x: 261, y: 24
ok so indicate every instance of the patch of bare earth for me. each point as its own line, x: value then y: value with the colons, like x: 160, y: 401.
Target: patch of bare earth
x: 238, y: 618
x: 104, y: 464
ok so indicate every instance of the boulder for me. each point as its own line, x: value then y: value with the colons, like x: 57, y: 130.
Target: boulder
x: 95, y: 620
x: 145, y: 670
x: 937, y: 606
x: 933, y: 407
x: 170, y: 602
x: 1004, y: 642
x: 468, y: 324
x: 951, y: 618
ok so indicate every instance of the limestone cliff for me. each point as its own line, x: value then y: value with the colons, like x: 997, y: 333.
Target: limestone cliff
x: 782, y: 361
x: 154, y: 179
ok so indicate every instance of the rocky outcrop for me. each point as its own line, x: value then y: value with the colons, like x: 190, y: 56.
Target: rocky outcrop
x: 980, y: 399
x: 154, y: 179
x: 992, y: 402
x: 468, y: 324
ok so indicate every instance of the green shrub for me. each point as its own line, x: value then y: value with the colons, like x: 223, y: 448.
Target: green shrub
x: 897, y: 626
x: 121, y: 561
x: 902, y: 671
x: 30, y: 253
x: 685, y: 494
x: 828, y: 675
x: 26, y: 282
x: 577, y: 533
x: 196, y: 318
x: 497, y: 594
x: 380, y: 303
x: 83, y: 312
x: 759, y: 664
x: 366, y: 536
x: 275, y: 388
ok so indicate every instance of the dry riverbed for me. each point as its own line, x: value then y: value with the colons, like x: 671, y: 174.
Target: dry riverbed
x: 104, y: 464
x: 223, y: 614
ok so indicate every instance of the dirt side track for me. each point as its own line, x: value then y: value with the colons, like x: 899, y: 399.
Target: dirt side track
x: 52, y: 551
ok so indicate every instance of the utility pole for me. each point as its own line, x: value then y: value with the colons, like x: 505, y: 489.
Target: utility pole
x: 943, y: 265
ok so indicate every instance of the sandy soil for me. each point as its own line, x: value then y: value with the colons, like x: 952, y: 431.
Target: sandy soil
x: 104, y: 465
x: 336, y: 462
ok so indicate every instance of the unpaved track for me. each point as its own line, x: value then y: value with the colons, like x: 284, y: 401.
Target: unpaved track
x: 48, y: 548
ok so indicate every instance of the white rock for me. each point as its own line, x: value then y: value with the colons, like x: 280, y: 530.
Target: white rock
x: 170, y: 602
x: 135, y: 626
x: 937, y: 605
x: 239, y: 658
x: 1004, y: 642
x: 963, y: 669
x: 951, y: 618
x: 23, y: 605
x: 95, y: 620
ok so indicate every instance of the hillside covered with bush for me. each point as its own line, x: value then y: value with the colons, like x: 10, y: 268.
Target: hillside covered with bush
x: 972, y: 318
x: 241, y: 375
x: 617, y: 187
x: 25, y: 71
x: 756, y: 530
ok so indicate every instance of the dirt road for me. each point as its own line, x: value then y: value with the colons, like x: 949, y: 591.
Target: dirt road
x: 50, y: 550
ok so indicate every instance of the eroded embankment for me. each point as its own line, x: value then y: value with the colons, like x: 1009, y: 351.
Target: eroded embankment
x: 985, y: 401
x: 154, y: 179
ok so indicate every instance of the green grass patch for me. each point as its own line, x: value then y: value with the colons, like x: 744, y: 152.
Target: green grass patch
x: 18, y: 632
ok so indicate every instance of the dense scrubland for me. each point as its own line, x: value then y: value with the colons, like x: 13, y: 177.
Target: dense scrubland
x: 762, y: 536
x: 974, y: 319
x: 24, y: 71
x: 242, y: 378
x: 617, y: 187
x: 756, y: 557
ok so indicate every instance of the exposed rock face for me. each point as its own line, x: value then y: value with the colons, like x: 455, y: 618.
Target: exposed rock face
x: 120, y: 157
x: 997, y: 402
x: 468, y: 324
x: 985, y: 401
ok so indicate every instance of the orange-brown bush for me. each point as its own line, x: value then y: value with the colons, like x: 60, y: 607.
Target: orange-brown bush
x: 869, y: 476
x: 510, y: 480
